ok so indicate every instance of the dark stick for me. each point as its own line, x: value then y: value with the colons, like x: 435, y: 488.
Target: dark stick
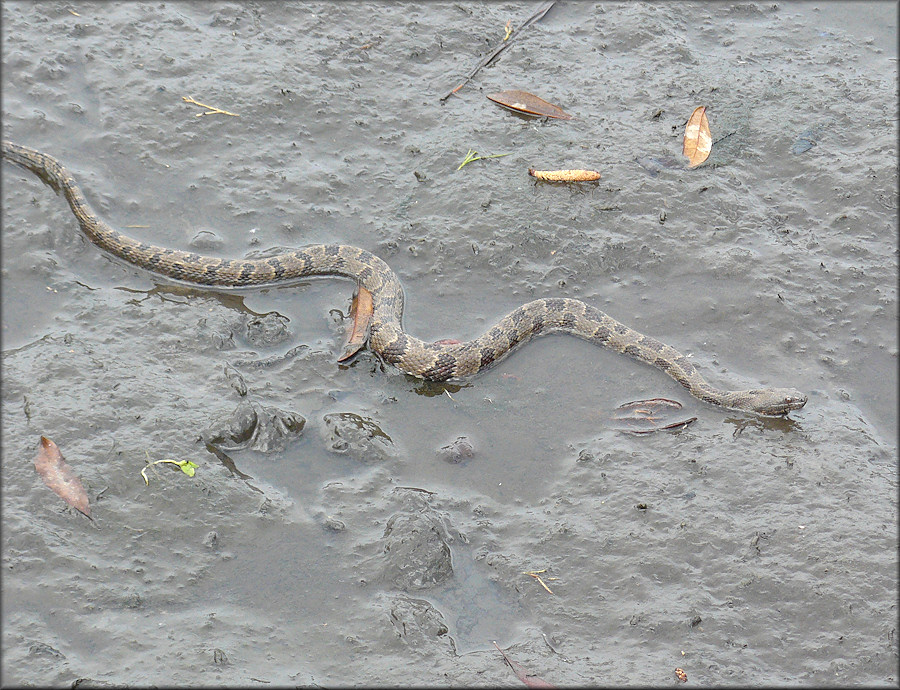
x: 540, y: 12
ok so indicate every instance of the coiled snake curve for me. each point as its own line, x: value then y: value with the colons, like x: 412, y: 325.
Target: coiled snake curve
x: 433, y: 361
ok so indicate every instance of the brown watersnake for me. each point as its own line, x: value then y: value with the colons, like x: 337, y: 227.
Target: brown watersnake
x: 440, y: 361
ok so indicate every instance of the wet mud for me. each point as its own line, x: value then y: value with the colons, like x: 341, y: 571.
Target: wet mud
x: 350, y: 525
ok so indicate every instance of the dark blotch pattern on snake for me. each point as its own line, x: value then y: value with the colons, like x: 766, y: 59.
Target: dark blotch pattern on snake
x: 433, y: 361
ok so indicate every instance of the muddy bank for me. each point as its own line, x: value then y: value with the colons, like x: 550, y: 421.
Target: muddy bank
x: 354, y: 547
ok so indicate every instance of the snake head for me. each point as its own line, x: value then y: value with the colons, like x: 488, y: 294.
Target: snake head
x: 773, y: 401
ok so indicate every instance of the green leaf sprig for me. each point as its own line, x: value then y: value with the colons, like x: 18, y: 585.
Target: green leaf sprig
x: 472, y: 155
x: 186, y: 466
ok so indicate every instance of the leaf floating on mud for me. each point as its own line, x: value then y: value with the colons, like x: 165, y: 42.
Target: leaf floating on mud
x: 656, y: 164
x: 530, y: 680
x: 806, y: 140
x: 697, y: 138
x: 565, y: 175
x: 57, y: 474
x: 647, y: 416
x: 361, y: 310
x: 528, y: 103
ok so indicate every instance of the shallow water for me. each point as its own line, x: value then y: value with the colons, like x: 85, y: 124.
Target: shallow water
x: 770, y: 268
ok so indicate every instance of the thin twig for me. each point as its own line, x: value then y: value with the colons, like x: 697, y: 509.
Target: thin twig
x: 540, y: 12
x: 210, y: 110
x: 536, y: 575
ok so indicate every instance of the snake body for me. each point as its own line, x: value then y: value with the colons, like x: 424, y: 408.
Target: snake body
x: 439, y: 361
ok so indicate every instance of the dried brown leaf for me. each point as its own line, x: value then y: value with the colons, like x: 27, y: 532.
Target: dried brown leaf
x: 565, y: 175
x: 697, y: 138
x: 528, y: 103
x: 361, y: 310
x: 57, y: 474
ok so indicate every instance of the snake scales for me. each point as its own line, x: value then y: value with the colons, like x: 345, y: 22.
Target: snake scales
x: 433, y: 361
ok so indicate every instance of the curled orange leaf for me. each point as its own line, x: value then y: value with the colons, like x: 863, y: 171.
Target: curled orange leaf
x: 697, y: 138
x: 565, y: 175
x: 57, y: 475
x: 361, y: 310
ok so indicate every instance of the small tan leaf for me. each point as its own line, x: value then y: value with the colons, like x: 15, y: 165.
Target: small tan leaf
x: 528, y: 103
x: 697, y: 138
x: 361, y: 310
x: 565, y: 175
x: 57, y: 474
